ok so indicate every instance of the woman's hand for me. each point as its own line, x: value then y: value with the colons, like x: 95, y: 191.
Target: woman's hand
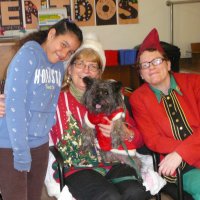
x: 106, y: 128
x: 2, y: 105
x: 169, y: 164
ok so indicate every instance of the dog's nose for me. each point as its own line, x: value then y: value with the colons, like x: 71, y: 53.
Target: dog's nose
x: 97, y: 99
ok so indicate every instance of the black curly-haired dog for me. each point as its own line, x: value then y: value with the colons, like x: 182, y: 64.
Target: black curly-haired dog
x: 104, y: 98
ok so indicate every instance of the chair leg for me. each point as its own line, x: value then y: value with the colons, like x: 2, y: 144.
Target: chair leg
x: 60, y: 163
x: 61, y: 174
x: 155, y: 165
x: 158, y: 196
x: 180, y: 184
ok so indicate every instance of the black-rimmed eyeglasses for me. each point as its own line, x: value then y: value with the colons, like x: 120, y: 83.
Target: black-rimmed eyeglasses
x: 154, y: 62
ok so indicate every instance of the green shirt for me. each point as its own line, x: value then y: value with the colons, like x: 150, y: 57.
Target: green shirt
x: 173, y: 86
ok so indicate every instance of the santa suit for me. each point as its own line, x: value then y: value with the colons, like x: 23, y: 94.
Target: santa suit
x: 105, y: 143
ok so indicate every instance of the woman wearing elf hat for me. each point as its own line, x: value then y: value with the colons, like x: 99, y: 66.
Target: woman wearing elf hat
x: 167, y: 111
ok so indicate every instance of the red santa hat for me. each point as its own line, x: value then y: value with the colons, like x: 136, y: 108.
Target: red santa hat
x: 150, y: 42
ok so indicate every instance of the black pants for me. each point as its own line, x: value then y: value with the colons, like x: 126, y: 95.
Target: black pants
x: 90, y: 185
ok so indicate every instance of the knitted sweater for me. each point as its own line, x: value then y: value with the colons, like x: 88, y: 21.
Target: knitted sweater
x: 67, y: 104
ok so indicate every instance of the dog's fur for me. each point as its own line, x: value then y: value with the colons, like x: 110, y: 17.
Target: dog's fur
x: 104, y: 96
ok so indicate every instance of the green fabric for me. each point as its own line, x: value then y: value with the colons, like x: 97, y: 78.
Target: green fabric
x: 101, y: 171
x: 69, y: 147
x: 121, y: 179
x: 134, y: 165
x: 76, y: 93
x: 191, y: 183
x: 173, y: 86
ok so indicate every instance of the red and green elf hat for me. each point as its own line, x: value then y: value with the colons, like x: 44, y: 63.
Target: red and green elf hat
x: 150, y: 42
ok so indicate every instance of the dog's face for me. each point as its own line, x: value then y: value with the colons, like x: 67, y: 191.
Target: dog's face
x: 102, y: 96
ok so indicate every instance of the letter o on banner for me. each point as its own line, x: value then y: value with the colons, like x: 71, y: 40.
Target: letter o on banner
x: 105, y: 9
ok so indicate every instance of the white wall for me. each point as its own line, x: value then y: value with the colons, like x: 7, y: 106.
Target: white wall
x: 186, y: 26
x: 154, y: 13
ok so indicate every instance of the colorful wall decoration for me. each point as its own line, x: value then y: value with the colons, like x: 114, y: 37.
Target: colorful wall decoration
x: 22, y: 14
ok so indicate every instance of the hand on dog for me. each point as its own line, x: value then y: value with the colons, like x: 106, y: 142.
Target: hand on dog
x: 129, y: 134
x: 106, y: 128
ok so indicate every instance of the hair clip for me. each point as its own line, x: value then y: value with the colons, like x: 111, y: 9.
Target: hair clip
x: 69, y: 20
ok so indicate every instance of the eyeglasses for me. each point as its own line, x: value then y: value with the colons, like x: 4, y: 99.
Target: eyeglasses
x: 91, y: 67
x: 154, y: 62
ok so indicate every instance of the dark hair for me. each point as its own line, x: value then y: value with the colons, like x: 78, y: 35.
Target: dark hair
x: 63, y: 26
x: 137, y: 64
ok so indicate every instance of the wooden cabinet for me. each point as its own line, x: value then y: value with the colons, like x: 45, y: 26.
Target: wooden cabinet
x: 6, y: 54
x: 128, y: 75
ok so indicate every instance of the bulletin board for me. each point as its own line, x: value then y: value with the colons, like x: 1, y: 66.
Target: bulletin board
x: 23, y: 14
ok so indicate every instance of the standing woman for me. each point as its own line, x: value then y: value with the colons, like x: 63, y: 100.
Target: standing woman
x: 32, y: 88
x: 167, y: 111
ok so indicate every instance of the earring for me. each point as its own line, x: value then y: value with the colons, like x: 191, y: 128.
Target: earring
x: 68, y: 79
x: 66, y: 82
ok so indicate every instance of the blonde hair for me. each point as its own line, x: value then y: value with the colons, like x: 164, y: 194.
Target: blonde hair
x: 88, y: 54
x: 85, y: 54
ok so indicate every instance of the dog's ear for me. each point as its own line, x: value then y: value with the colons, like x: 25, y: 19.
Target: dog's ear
x: 88, y: 81
x: 117, y: 85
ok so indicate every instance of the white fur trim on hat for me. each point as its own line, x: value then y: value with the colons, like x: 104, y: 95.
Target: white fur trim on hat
x: 91, y: 41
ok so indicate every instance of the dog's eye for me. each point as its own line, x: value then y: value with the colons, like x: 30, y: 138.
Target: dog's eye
x: 102, y: 92
x: 105, y: 92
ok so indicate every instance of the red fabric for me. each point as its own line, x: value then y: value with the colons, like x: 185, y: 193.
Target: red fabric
x: 155, y: 126
x: 105, y: 142
x: 151, y: 41
x: 112, y: 57
x: 61, y: 113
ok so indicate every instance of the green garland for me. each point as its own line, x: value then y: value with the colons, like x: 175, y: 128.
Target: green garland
x: 69, y: 147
